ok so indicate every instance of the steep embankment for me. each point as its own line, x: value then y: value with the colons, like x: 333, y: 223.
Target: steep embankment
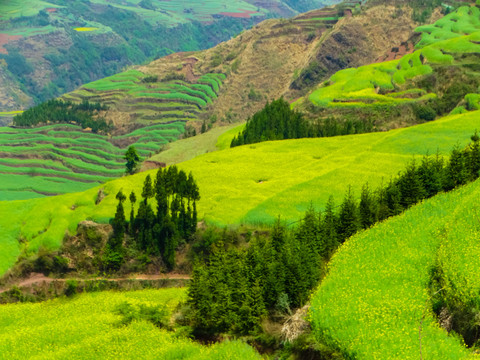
x: 245, y: 184
x: 384, y: 284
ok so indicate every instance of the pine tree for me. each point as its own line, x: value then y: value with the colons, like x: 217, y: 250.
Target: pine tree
x: 457, y: 171
x: 330, y: 226
x: 147, y: 191
x: 348, y: 217
x: 367, y: 208
x: 410, y: 186
x: 118, y: 222
x: 133, y: 200
x: 474, y: 157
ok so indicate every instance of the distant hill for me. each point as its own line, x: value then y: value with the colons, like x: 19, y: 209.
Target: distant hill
x: 49, y: 48
x: 182, y: 93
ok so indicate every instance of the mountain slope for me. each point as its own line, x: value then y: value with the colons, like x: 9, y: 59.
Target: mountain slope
x: 247, y: 184
x: 378, y: 300
x: 49, y: 48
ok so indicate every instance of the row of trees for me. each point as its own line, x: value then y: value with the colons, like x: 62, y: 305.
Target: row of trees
x: 156, y: 232
x: 84, y: 114
x: 277, y: 121
x: 236, y: 288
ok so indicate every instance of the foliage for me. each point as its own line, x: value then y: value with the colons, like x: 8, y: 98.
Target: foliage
x: 132, y: 158
x: 156, y: 233
x: 58, y: 111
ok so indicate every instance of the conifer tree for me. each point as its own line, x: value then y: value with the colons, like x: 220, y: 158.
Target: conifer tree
x: 133, y: 200
x: 410, y: 186
x: 367, y: 208
x: 147, y: 191
x: 348, y: 217
x: 330, y: 226
x: 457, y: 171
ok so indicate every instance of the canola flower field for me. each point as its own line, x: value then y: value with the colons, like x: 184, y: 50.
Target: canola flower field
x: 374, y: 297
x: 87, y: 327
x: 246, y: 184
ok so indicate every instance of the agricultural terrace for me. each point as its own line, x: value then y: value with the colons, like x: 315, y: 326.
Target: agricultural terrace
x: 90, y: 326
x: 152, y: 102
x: 18, y: 8
x: 172, y: 13
x: 374, y: 297
x: 388, y: 83
x: 246, y: 184
x: 57, y: 159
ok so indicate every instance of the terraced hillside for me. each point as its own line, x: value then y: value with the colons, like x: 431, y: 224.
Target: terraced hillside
x: 58, y: 159
x: 132, y: 100
x: 386, y: 286
x: 48, y: 48
x: 247, y: 184
x: 445, y: 62
x: 91, y: 326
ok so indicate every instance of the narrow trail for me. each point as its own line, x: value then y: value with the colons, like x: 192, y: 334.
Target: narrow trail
x: 37, y: 279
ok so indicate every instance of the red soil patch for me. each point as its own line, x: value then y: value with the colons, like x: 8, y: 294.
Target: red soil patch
x: 245, y: 14
x: 51, y: 10
x: 5, y: 39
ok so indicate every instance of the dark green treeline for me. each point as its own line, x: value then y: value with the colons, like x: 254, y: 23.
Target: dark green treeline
x: 277, y: 121
x: 235, y: 289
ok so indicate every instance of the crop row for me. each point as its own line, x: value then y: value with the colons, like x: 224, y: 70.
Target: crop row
x: 66, y: 154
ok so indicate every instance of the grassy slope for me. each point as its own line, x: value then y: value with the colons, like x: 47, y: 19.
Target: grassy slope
x: 86, y: 327
x: 189, y: 148
x: 294, y: 173
x: 372, y: 301
x: 452, y: 36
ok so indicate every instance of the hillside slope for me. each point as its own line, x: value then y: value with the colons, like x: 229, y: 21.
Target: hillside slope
x: 49, y: 48
x: 246, y: 184
x: 221, y: 85
x: 379, y: 297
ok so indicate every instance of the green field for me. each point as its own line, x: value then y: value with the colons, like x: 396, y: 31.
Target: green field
x: 86, y: 327
x: 156, y: 102
x: 18, y: 8
x: 375, y: 294
x: 189, y: 148
x: 246, y: 184
x: 58, y: 159
x: 390, y: 83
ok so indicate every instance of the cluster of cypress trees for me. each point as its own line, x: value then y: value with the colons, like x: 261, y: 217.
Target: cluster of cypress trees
x: 277, y: 121
x: 58, y: 111
x: 235, y: 288
x: 156, y: 232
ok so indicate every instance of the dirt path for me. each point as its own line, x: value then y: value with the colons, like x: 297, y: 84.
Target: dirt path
x: 37, y: 279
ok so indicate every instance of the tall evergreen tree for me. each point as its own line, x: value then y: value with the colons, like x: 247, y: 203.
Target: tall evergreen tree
x: 348, y: 222
x: 410, y: 186
x: 367, y: 208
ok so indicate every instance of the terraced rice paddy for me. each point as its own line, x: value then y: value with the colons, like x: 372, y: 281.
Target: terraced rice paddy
x: 372, y: 302
x: 87, y: 327
x: 387, y: 83
x: 246, y: 184
x: 57, y: 159
x: 157, y: 102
